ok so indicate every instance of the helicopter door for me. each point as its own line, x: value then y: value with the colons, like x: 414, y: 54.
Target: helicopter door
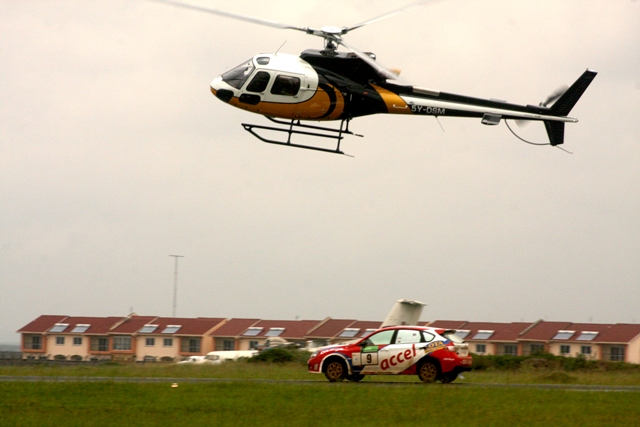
x: 285, y: 89
x: 255, y: 90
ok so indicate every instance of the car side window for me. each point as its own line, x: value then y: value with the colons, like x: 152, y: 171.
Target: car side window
x: 286, y: 85
x: 407, y: 336
x: 427, y: 336
x: 259, y: 82
x: 381, y: 338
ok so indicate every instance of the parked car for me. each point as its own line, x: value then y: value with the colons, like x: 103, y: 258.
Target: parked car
x: 193, y: 359
x: 431, y: 353
x: 277, y: 342
x: 229, y: 355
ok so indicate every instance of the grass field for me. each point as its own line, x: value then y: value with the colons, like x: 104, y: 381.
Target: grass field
x: 379, y: 400
x: 323, y: 404
x: 297, y: 371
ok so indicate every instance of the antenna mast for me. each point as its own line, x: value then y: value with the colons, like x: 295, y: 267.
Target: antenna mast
x: 175, y: 283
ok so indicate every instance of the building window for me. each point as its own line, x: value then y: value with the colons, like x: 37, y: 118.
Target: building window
x: 122, y: 343
x: 99, y: 344
x: 275, y: 332
x: 252, y: 332
x: 33, y: 342
x: 481, y: 348
x: 253, y: 345
x: 565, y: 350
x: 80, y: 328
x: 150, y: 342
x: 167, y: 342
x: 617, y: 354
x: 148, y: 329
x: 349, y: 333
x: 59, y: 340
x: 510, y: 350
x: 171, y: 329
x: 228, y: 345
x: 59, y: 327
x: 462, y: 333
x: 587, y: 336
x: 483, y: 335
x: 563, y: 335
x: 537, y: 348
x: 77, y: 340
x: 191, y: 345
x: 586, y: 350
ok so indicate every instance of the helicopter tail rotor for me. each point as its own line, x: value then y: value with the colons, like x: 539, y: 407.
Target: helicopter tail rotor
x: 563, y: 100
x: 551, y: 98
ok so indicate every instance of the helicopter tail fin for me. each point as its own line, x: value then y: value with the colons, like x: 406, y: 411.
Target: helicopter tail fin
x: 563, y: 106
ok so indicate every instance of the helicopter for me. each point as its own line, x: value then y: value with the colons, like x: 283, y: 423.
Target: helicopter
x: 322, y: 85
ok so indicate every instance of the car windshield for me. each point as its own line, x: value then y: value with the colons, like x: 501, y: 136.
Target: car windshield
x: 237, y: 76
x: 451, y: 335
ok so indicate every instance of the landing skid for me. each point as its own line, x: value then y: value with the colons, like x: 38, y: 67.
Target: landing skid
x: 293, y: 128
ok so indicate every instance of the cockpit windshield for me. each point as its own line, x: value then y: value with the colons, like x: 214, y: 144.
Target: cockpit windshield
x: 237, y: 76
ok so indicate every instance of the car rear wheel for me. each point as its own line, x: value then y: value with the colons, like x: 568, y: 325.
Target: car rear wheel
x: 428, y: 372
x: 449, y: 377
x: 355, y: 377
x: 336, y: 370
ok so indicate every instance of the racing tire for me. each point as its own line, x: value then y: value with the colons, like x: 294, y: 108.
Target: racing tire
x: 355, y: 378
x: 428, y: 372
x: 335, y: 371
x: 449, y: 377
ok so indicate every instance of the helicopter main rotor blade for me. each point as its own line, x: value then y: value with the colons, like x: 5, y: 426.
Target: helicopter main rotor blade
x: 403, y: 9
x: 237, y: 16
x: 369, y: 60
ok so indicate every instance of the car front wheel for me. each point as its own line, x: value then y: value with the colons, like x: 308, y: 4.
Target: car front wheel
x: 428, y: 372
x: 335, y: 370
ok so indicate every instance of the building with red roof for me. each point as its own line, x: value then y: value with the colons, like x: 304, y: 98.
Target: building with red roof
x: 152, y: 338
x: 172, y: 338
x: 488, y: 337
x: 229, y: 336
x: 611, y: 342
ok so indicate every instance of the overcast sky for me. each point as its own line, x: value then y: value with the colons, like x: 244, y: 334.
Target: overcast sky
x: 114, y: 155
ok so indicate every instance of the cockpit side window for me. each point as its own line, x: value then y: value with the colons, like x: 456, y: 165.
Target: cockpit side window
x: 259, y: 82
x: 286, y: 85
x: 237, y: 76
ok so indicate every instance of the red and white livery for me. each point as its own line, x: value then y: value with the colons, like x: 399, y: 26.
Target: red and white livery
x: 433, y: 354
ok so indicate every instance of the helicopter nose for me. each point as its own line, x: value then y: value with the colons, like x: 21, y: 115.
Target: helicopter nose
x: 215, y: 84
x: 218, y: 88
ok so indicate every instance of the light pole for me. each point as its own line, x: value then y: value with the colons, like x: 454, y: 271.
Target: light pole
x: 175, y: 282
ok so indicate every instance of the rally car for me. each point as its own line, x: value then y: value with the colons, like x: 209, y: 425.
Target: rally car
x: 433, y: 354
